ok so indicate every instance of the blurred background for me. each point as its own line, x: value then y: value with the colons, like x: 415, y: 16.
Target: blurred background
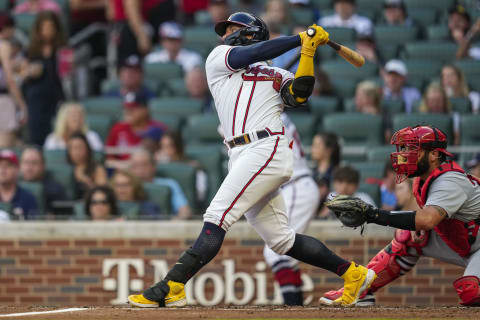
x: 105, y: 112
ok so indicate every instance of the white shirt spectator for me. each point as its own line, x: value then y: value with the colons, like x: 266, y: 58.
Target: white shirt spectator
x: 53, y: 142
x: 186, y: 58
x: 361, y: 24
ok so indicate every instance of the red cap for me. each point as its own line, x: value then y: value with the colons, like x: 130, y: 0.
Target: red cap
x: 9, y: 155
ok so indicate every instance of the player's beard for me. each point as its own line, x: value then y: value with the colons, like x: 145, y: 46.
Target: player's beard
x: 422, y: 166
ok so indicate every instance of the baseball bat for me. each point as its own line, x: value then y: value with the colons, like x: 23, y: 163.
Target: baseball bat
x: 346, y: 53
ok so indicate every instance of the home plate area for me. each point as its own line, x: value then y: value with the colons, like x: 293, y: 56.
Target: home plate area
x: 229, y: 312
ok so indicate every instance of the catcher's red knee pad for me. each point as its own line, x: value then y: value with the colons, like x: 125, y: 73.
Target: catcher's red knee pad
x: 405, y: 237
x: 468, y: 289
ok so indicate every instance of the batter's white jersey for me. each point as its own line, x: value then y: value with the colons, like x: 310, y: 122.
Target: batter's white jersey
x: 248, y: 99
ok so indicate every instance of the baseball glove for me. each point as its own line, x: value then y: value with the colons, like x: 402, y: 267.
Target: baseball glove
x: 351, y: 211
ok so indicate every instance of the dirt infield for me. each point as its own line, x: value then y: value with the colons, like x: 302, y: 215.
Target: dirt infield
x: 110, y: 313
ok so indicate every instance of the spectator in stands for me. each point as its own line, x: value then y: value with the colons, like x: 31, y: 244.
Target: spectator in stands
x: 455, y: 85
x: 132, y: 18
x: 130, y: 189
x: 13, y: 112
x: 405, y: 199
x: 101, y: 204
x: 137, y: 125
x: 345, y: 16
x: 367, y: 47
x: 23, y: 203
x: 387, y: 188
x: 289, y: 60
x: 368, y: 98
x: 346, y: 180
x: 44, y: 92
x: 32, y: 169
x: 435, y: 100
x: 37, y: 6
x: 473, y: 166
x: 87, y: 173
x: 394, y: 78
x: 196, y: 83
x: 171, y: 35
x: 219, y: 10
x: 71, y: 119
x: 464, y: 48
x: 458, y: 23
x: 142, y: 166
x: 190, y: 7
x: 395, y: 13
x: 276, y: 12
x: 131, y: 77
x: 172, y: 150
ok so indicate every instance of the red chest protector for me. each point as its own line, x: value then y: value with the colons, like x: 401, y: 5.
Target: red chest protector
x: 457, y: 234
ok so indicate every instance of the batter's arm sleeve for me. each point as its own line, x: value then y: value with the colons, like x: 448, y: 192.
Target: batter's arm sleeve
x: 241, y: 57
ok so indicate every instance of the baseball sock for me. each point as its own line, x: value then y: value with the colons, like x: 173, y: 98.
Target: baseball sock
x: 314, y: 252
x: 190, y: 262
x: 290, y: 282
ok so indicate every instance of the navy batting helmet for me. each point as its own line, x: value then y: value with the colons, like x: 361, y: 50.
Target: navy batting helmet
x: 252, y: 25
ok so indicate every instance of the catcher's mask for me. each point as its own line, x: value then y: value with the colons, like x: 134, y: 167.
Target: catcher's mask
x: 253, y: 29
x: 408, y: 142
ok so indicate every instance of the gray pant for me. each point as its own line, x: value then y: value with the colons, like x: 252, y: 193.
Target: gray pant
x: 438, y: 249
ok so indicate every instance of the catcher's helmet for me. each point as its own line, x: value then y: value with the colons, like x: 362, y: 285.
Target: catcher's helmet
x: 408, y: 142
x: 252, y: 26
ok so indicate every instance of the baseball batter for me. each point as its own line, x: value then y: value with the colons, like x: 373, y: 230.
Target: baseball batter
x: 446, y: 225
x: 249, y: 97
x: 301, y: 207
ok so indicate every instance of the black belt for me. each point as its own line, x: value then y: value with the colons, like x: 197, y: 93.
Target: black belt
x: 246, y: 139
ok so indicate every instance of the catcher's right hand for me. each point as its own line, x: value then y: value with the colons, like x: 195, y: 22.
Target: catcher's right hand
x: 351, y: 211
x: 310, y: 44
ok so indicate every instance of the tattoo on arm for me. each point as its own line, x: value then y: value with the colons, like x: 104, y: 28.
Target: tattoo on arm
x: 441, y: 212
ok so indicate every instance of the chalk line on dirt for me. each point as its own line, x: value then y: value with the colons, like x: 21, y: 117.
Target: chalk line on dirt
x: 42, y: 312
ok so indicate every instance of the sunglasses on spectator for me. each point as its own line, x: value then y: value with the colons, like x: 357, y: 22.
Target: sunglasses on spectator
x: 99, y: 202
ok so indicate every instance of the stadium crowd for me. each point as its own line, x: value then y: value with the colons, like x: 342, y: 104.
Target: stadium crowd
x: 105, y: 112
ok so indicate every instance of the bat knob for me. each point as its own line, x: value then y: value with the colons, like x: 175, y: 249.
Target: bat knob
x: 311, y: 32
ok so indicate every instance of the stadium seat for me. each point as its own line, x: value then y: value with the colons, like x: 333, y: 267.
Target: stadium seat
x: 305, y: 125
x: 395, y: 34
x: 79, y: 211
x: 438, y: 32
x: 424, y: 68
x: 341, y: 35
x: 112, y: 84
x: 437, y: 51
x: 370, y: 169
x: 162, y: 72
x: 355, y: 128
x: 469, y: 67
x: 173, y: 122
x: 370, y: 5
x: 343, y: 87
x: 36, y: 188
x: 461, y: 105
x: 388, y: 51
x: 25, y: 21
x: 63, y: 174
x: 202, y: 128
x: 109, y: 106
x: 423, y: 17
x: 393, y: 106
x: 441, y: 121
x: 343, y: 69
x: 180, y: 106
x: 210, y: 158
x: 4, y: 6
x: 442, y: 5
x: 474, y: 82
x: 177, y: 88
x: 322, y: 105
x: 302, y: 16
x: 198, y: 37
x: 129, y: 210
x: 100, y: 123
x: 6, y: 206
x: 349, y: 105
x: 185, y: 175
x: 373, y: 190
x: 380, y: 153
x: 322, y: 4
x: 469, y: 129
x: 54, y: 157
x: 160, y: 195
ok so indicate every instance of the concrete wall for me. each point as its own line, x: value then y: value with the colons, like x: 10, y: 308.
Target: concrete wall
x: 100, y: 263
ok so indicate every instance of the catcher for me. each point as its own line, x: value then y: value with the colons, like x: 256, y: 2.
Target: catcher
x: 444, y: 228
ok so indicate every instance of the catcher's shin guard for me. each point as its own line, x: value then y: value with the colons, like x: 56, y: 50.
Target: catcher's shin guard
x: 468, y: 289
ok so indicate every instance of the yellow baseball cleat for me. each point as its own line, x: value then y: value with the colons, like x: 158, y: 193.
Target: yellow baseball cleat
x: 175, y: 298
x: 138, y: 300
x: 357, y: 279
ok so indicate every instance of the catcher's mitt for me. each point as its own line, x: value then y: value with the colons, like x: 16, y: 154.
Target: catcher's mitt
x: 351, y: 211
